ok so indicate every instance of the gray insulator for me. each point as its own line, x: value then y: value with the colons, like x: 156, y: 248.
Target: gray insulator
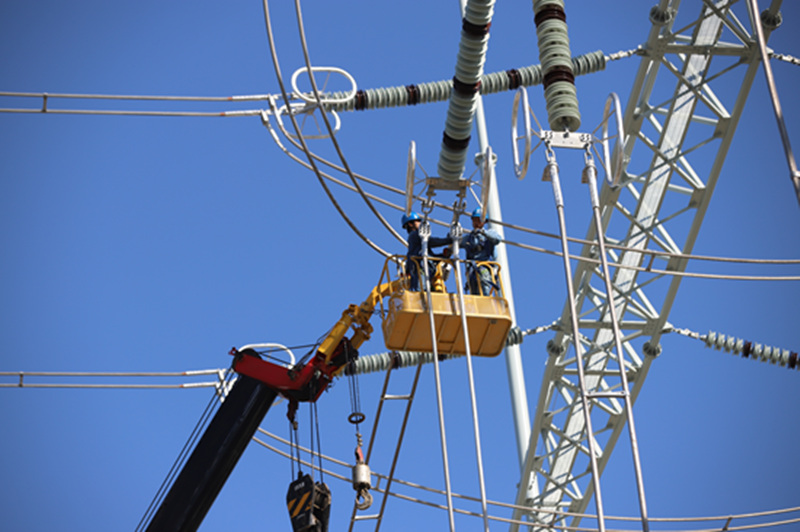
x: 402, y: 359
x: 385, y: 361
x: 515, y: 336
x: 562, y: 106
x: 469, y: 71
x: 771, y: 21
x: 651, y: 351
x: 659, y: 17
x: 554, y: 349
x: 764, y: 353
x: 439, y: 91
x: 560, y: 95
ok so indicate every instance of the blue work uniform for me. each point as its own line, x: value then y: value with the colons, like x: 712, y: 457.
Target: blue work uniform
x: 479, y: 245
x: 415, y: 252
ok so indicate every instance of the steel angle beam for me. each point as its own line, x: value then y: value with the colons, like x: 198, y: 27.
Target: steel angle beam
x: 659, y: 206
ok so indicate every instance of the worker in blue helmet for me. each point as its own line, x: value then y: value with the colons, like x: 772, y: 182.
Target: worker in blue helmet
x: 479, y: 245
x: 411, y: 222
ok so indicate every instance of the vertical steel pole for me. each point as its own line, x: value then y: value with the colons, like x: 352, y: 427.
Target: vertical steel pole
x: 514, y: 371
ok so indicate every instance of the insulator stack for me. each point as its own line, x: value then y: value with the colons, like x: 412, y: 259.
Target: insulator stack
x: 466, y: 87
x: 439, y: 91
x: 515, y: 336
x: 390, y: 360
x: 402, y: 359
x: 764, y: 353
x: 560, y: 95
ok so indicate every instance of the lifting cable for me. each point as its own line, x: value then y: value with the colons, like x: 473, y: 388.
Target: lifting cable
x: 361, y: 474
x: 390, y: 477
x: 312, y: 408
x: 294, y: 444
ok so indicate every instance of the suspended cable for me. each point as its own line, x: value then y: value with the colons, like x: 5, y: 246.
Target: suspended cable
x: 46, y: 95
x: 425, y: 233
x: 552, y: 175
x: 590, y: 174
x: 657, y: 271
x: 365, y: 99
x: 772, y: 20
x: 729, y: 518
x: 455, y: 235
x: 311, y: 161
x: 21, y: 381
x: 651, y: 253
x: 331, y: 136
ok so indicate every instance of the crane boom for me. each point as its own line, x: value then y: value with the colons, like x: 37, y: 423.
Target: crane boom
x: 234, y: 424
x: 214, y: 457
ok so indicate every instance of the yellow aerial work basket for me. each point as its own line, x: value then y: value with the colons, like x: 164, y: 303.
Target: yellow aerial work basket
x: 406, y: 322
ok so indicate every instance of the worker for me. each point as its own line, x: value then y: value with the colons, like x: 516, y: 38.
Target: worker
x: 479, y: 245
x: 411, y: 222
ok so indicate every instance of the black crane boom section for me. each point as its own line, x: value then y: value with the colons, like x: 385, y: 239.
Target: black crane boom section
x: 214, y: 457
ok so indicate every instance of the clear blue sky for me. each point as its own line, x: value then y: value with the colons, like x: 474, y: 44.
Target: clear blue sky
x: 157, y: 244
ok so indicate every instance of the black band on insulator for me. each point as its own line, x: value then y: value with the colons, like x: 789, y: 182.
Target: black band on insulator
x: 475, y: 30
x: 395, y: 360
x: 514, y: 79
x: 466, y: 89
x: 413, y: 94
x: 746, y: 349
x: 455, y: 144
x: 558, y: 74
x: 548, y: 13
x: 361, y: 100
x: 792, y: 360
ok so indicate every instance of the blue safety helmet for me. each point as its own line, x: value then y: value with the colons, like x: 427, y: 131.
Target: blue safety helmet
x: 477, y: 213
x: 410, y: 217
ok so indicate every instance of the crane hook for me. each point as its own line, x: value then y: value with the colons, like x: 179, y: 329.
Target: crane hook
x: 361, y: 480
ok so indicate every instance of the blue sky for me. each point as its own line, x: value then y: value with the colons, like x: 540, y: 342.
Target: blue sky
x: 155, y: 244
